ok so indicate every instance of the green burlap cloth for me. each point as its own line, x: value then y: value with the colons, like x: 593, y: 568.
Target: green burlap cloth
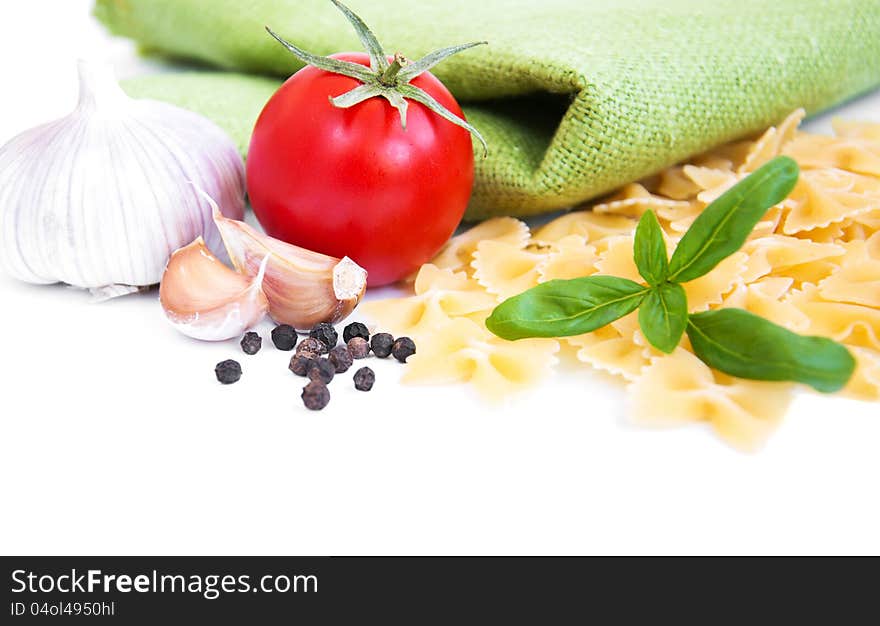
x: 575, y: 97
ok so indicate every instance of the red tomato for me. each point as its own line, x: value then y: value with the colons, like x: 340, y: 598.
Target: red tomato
x: 352, y: 182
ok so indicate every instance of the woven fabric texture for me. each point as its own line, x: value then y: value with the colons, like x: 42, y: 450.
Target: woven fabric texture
x: 575, y: 97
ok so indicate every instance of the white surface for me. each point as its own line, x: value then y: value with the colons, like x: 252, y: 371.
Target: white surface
x: 115, y: 437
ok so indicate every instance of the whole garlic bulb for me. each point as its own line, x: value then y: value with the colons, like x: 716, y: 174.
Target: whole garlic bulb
x: 101, y: 198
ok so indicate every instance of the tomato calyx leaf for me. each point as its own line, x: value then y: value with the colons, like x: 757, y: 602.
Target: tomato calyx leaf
x: 384, y: 78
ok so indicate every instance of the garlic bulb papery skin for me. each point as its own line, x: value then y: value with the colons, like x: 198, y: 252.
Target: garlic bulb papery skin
x: 101, y: 198
x: 303, y: 287
x: 204, y: 299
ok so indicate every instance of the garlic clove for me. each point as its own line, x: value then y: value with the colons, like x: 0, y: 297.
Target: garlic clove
x: 303, y: 287
x: 206, y: 300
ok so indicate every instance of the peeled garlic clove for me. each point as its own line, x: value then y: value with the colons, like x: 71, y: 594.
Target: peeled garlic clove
x: 303, y: 287
x: 206, y: 300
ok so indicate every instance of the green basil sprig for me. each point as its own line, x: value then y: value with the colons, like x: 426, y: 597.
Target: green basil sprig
x: 733, y: 341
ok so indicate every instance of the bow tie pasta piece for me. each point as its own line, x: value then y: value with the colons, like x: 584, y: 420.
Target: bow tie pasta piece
x: 676, y: 220
x: 633, y: 200
x: 609, y: 350
x: 857, y: 281
x: 829, y: 234
x: 726, y: 157
x: 458, y: 252
x: 865, y: 383
x: 766, y: 298
x: 710, y: 289
x: 868, y: 224
x: 852, y: 324
x: 440, y: 295
x: 810, y: 274
x: 772, y: 142
x: 775, y: 254
x: 464, y: 351
x: 592, y: 226
x: 617, y: 258
x: 679, y: 388
x: 819, y: 152
x: 674, y: 184
x: 570, y: 257
x: 824, y: 197
x: 505, y: 270
x: 709, y: 179
x: 856, y: 130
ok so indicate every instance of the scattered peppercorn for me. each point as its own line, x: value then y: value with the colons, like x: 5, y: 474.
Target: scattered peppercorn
x: 311, y: 346
x: 341, y: 358
x: 403, y: 348
x: 364, y: 379
x: 315, y: 395
x: 284, y: 337
x: 300, y: 364
x: 228, y: 372
x: 321, y: 369
x: 358, y: 347
x: 355, y: 329
x: 251, y: 343
x: 325, y: 333
x: 381, y: 344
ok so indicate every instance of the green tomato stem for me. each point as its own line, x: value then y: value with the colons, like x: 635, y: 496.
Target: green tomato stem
x: 389, y: 76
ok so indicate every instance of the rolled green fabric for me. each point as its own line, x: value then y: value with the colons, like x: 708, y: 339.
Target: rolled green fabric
x: 575, y: 97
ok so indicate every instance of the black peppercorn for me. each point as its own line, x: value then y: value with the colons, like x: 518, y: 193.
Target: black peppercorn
x: 355, y: 329
x: 311, y: 346
x: 381, y: 344
x: 358, y: 347
x: 251, y: 343
x: 403, y: 348
x: 284, y: 337
x: 228, y: 372
x: 364, y: 379
x: 300, y: 364
x: 315, y: 395
x: 325, y: 333
x: 341, y: 358
x: 321, y: 369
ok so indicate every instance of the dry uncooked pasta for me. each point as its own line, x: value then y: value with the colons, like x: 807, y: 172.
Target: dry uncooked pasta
x: 811, y: 265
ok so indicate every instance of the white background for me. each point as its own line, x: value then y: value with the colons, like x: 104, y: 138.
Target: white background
x: 116, y: 438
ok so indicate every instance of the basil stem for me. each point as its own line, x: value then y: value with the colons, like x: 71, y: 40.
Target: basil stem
x: 663, y: 316
x: 723, y: 227
x: 561, y: 308
x: 742, y: 344
x: 650, y: 250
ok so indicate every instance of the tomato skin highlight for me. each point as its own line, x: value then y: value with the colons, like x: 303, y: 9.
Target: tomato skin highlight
x: 352, y: 182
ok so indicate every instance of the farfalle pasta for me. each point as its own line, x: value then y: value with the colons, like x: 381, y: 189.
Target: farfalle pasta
x: 811, y: 265
x: 679, y: 388
x: 828, y: 196
x: 458, y: 252
x: 464, y: 351
x: 570, y: 257
x: 856, y: 281
x: 441, y: 295
x: 504, y: 269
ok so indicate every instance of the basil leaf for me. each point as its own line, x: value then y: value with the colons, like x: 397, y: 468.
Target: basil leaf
x: 650, y: 250
x: 745, y: 345
x: 663, y: 316
x: 561, y: 308
x: 722, y: 228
